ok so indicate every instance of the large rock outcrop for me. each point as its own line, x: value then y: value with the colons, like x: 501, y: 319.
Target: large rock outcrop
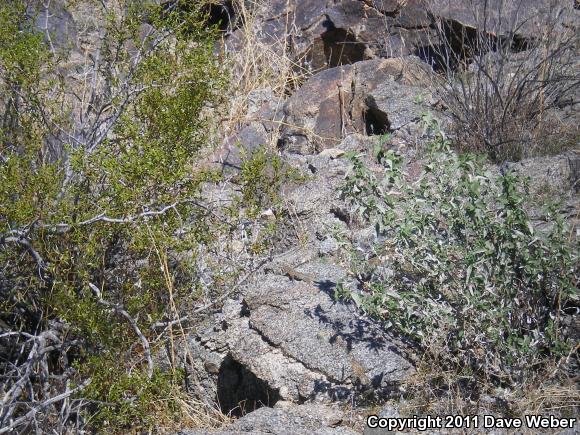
x: 328, y: 33
x: 370, y: 97
x: 289, y: 340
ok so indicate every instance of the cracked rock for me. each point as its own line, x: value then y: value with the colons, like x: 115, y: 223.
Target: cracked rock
x: 290, y: 341
x: 370, y: 97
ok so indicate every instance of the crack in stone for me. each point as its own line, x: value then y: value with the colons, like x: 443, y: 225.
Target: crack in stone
x: 327, y: 376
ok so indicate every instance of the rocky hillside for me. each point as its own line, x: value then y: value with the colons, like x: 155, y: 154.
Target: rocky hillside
x: 348, y: 255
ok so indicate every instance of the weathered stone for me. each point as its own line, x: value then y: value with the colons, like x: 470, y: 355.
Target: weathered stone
x: 291, y: 341
x: 372, y: 97
x: 307, y: 13
x: 313, y: 113
x: 500, y: 17
x: 555, y: 174
x: 333, y: 153
x: 414, y: 14
x: 328, y: 246
x: 287, y: 419
x: 328, y: 33
x: 340, y: 34
x: 57, y: 23
x: 385, y: 6
x: 336, y: 351
x: 245, y: 142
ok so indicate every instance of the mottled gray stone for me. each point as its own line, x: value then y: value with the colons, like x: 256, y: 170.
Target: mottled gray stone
x: 369, y: 97
x: 287, y: 419
x: 550, y: 174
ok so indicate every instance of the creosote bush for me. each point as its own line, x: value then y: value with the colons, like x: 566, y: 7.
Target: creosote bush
x: 99, y: 194
x: 460, y: 267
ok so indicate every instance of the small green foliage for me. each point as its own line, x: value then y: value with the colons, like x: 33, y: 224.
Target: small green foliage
x: 131, y: 400
x: 262, y: 177
x: 22, y: 50
x: 106, y: 213
x: 462, y: 269
x: 370, y: 197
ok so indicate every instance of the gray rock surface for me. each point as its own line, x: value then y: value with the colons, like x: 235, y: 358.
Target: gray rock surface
x: 551, y: 178
x: 243, y: 143
x: 287, y: 419
x: 286, y: 339
x: 551, y: 174
x: 299, y: 343
x: 371, y: 97
x: 328, y: 33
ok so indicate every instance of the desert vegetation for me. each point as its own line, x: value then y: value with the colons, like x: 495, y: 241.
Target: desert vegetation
x: 459, y: 267
x: 100, y: 190
x: 159, y: 180
x: 501, y: 78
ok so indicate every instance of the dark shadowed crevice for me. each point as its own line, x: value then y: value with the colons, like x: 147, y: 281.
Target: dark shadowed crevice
x: 459, y: 44
x: 340, y: 46
x: 240, y: 391
x: 437, y: 56
x: 517, y: 43
x: 376, y: 122
x: 221, y: 15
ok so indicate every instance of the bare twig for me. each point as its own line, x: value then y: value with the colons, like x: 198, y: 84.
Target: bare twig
x: 29, y: 416
x: 20, y: 239
x: 121, y: 311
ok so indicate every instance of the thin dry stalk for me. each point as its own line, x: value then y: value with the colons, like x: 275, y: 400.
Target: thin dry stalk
x: 255, y: 65
x: 502, y: 89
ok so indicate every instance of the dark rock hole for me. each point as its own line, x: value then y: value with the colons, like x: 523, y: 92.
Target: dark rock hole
x: 340, y: 46
x: 240, y: 391
x: 245, y: 310
x: 220, y: 15
x: 460, y: 44
x: 376, y: 122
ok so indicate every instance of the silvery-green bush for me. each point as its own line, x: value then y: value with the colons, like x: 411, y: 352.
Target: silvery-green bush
x: 461, y: 268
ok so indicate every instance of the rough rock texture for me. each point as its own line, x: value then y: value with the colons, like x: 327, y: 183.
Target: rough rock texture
x: 500, y: 15
x: 371, y: 97
x: 289, y: 419
x: 299, y: 343
x: 336, y: 39
x: 328, y: 33
x: 553, y: 177
x: 263, y: 117
x: 285, y: 339
x: 245, y: 142
x: 550, y: 174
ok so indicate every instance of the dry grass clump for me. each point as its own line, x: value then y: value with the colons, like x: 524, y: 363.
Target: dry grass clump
x: 436, y: 390
x: 261, y: 68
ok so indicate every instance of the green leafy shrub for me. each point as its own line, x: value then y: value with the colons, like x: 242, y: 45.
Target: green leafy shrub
x: 461, y: 269
x: 261, y: 179
x: 94, y: 207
